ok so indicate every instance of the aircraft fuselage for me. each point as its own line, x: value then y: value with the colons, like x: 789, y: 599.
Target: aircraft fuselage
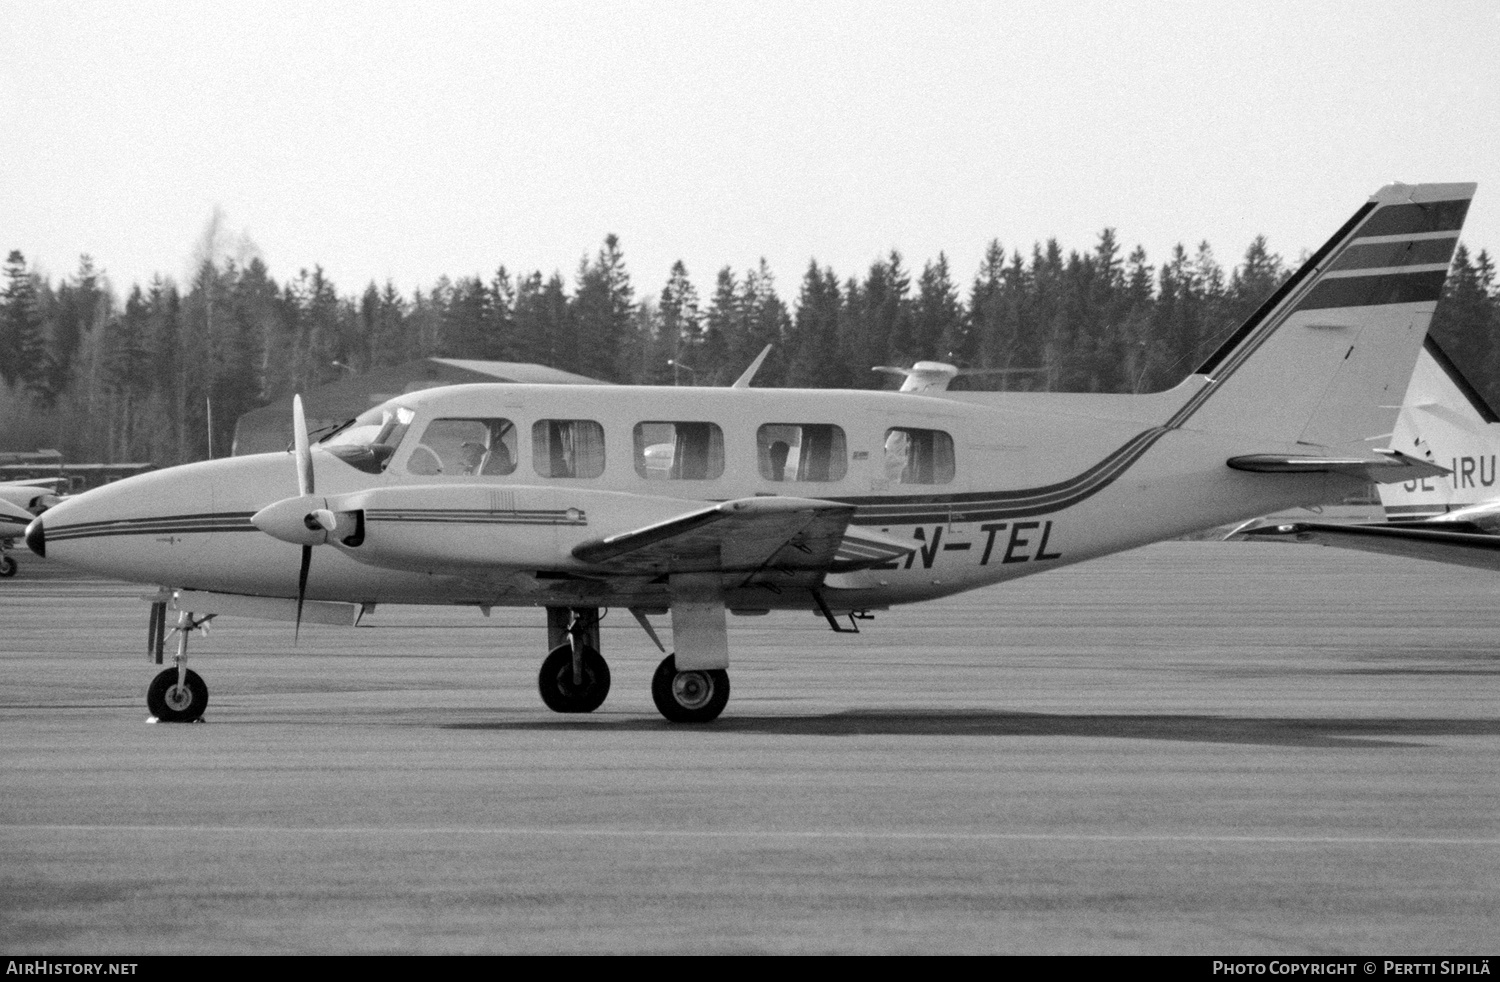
x: 984, y: 487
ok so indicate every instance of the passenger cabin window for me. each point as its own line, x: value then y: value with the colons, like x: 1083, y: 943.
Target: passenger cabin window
x: 455, y: 446
x: 914, y: 456
x: 369, y: 440
x: 567, y: 448
x: 801, y: 452
x: 679, y: 451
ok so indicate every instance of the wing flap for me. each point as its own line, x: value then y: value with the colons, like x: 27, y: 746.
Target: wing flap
x: 746, y: 535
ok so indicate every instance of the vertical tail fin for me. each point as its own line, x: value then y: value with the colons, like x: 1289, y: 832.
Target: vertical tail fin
x: 1326, y: 359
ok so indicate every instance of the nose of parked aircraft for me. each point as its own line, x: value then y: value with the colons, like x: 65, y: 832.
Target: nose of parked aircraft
x: 162, y: 526
x: 36, y: 538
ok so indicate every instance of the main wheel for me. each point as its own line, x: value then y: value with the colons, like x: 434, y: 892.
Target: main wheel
x: 561, y: 693
x: 7, y: 566
x: 689, y: 697
x: 173, y: 703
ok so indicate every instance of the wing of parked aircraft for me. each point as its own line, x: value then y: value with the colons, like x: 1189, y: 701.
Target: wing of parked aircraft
x: 13, y: 522
x: 1459, y: 543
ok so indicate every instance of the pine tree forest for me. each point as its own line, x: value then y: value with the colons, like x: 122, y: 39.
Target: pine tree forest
x: 143, y: 374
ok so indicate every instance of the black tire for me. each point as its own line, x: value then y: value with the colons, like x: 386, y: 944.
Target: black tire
x: 689, y: 697
x: 7, y: 566
x: 171, y: 704
x: 555, y: 680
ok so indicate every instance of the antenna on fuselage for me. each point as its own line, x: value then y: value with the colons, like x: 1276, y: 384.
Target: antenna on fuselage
x: 743, y: 382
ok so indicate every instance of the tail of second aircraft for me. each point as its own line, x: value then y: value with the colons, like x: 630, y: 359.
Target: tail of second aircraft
x: 1446, y: 421
x: 1326, y: 360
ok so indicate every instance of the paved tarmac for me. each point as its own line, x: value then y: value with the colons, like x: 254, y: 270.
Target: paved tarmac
x: 1195, y: 748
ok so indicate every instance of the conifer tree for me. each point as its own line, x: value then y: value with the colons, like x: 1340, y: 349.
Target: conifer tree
x: 23, y: 353
x: 1464, y: 321
x: 602, y: 314
x: 678, y: 333
x: 723, y: 323
x: 815, y: 361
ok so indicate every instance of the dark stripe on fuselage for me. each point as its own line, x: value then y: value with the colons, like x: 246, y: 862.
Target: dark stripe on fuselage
x: 1376, y: 291
x: 993, y: 505
x: 1388, y: 255
x: 477, y: 516
x: 155, y: 525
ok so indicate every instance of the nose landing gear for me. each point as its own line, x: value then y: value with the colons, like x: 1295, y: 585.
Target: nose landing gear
x: 178, y: 694
x: 177, y: 701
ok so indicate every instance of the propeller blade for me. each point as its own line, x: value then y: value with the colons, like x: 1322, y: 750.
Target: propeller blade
x: 302, y: 590
x: 304, y: 451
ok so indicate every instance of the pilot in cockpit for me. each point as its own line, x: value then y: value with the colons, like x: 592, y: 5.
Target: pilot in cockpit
x: 472, y: 455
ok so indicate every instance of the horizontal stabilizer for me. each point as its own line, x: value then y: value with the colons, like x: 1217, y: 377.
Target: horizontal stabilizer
x: 1382, y: 467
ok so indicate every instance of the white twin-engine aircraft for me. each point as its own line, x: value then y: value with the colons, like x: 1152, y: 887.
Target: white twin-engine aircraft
x: 707, y: 501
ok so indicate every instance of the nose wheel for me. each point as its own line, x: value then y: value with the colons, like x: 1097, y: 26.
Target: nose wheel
x: 689, y: 697
x: 177, y: 701
x: 178, y: 694
x: 7, y: 565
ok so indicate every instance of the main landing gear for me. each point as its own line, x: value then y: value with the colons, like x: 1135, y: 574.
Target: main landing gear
x: 575, y: 678
x: 7, y: 566
x: 178, y: 694
x: 689, y: 697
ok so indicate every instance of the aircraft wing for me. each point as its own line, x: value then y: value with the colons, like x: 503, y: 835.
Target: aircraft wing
x: 748, y: 535
x: 13, y: 520
x: 1382, y: 467
x: 1460, y: 546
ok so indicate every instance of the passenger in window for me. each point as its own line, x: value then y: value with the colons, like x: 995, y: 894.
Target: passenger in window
x: 471, y: 455
x: 897, y: 447
x: 778, y: 453
x: 918, y: 456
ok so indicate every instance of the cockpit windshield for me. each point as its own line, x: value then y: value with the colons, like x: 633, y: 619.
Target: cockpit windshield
x: 368, y: 441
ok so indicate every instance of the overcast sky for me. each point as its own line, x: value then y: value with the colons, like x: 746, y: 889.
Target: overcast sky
x: 408, y: 141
